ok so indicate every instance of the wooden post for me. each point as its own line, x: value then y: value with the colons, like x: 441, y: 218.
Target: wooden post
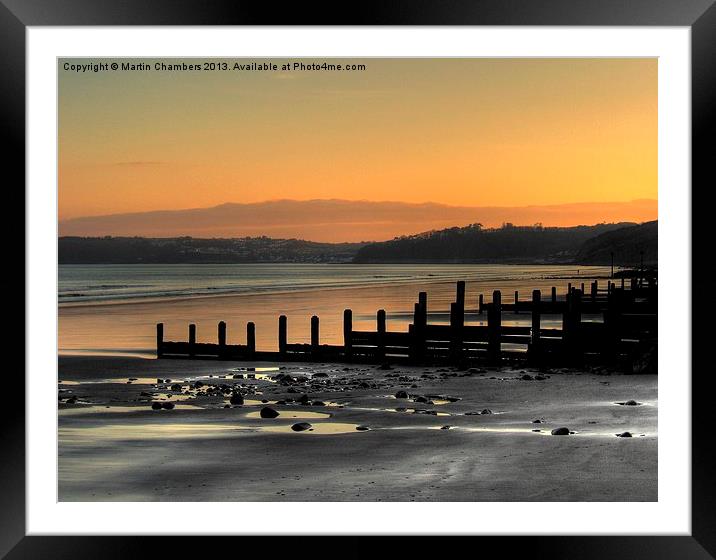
x: 494, y: 321
x: 595, y: 289
x: 222, y: 333
x: 347, y: 333
x: 622, y: 282
x: 554, y: 294
x: 380, y: 320
x: 517, y: 301
x: 314, y: 335
x: 160, y: 339
x: 534, y: 348
x: 480, y: 305
x: 571, y: 327
x: 192, y: 339
x: 221, y: 336
x: 423, y: 302
x: 460, y: 295
x: 633, y: 284
x: 282, y: 334
x: 582, y: 288
x: 251, y: 339
x: 457, y: 322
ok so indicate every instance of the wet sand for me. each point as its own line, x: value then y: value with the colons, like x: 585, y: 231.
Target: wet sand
x: 114, y: 446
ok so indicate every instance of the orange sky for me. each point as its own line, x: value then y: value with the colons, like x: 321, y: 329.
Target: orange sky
x: 469, y: 132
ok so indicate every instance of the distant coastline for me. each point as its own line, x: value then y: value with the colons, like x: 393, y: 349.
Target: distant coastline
x: 631, y: 245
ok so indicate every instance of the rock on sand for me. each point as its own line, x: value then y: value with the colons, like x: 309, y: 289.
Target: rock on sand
x: 301, y: 427
x: 268, y: 412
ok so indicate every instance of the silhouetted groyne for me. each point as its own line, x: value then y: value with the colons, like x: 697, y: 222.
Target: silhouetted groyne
x: 628, y: 329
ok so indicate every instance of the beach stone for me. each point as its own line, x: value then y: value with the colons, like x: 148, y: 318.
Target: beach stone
x: 527, y: 377
x: 237, y: 398
x: 156, y: 406
x: 268, y: 412
x: 420, y: 399
x: 198, y: 385
x: 630, y: 403
x: 175, y: 387
x: 624, y: 434
x: 445, y: 427
x: 401, y: 395
x: 227, y: 406
x: 301, y: 427
x: 318, y: 403
x: 168, y: 405
x: 486, y: 411
x: 320, y: 374
x: 560, y: 432
x: 537, y: 421
x: 540, y: 378
x: 362, y: 428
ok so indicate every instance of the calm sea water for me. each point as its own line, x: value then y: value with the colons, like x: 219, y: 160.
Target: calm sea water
x: 116, y: 308
x: 115, y: 283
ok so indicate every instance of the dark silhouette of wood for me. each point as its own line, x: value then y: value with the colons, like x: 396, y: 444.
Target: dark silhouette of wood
x: 192, y: 339
x: 348, y: 332
x: 554, y: 294
x: 160, y: 339
x: 315, y: 345
x: 222, y: 333
x: 381, y: 330
x: 480, y: 304
x: 250, y: 338
x: 534, y: 349
x: 517, y: 301
x: 630, y: 324
x: 282, y: 334
x: 494, y: 324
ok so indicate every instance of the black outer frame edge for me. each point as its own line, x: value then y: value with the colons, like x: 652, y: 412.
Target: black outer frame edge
x: 703, y: 122
x: 368, y: 12
x: 512, y: 12
x: 12, y: 164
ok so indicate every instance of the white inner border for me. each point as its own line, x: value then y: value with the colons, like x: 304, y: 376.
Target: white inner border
x: 670, y: 515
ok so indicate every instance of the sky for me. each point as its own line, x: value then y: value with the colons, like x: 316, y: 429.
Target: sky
x: 458, y: 132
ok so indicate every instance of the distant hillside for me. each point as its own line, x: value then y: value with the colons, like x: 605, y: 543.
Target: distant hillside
x: 128, y: 250
x: 508, y: 244
x: 334, y: 221
x: 626, y: 243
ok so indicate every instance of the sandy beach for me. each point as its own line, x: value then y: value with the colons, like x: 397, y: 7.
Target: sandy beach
x: 480, y: 434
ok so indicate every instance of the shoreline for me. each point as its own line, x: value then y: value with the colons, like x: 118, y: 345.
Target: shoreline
x: 202, y: 451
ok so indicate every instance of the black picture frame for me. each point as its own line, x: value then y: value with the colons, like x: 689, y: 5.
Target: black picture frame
x: 699, y: 15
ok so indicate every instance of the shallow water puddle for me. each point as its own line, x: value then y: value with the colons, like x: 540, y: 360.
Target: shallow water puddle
x: 291, y: 414
x: 139, y: 432
x: 318, y: 428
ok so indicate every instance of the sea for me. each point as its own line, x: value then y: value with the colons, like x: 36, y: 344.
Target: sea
x: 114, y: 308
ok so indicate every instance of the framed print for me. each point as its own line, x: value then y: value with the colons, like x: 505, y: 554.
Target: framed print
x: 420, y: 270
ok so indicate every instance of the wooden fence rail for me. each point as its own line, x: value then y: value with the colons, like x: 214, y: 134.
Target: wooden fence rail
x: 628, y: 322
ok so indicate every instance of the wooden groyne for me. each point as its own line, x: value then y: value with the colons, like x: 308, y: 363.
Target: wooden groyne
x: 627, y: 329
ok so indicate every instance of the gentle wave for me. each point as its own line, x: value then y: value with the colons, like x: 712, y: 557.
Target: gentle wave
x: 86, y: 284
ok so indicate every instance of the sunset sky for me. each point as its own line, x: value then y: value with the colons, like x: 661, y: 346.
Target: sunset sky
x: 463, y: 132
